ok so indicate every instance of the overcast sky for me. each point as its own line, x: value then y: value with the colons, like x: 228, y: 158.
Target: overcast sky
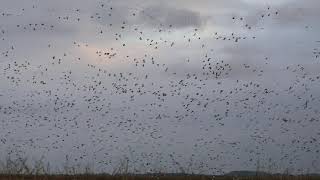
x: 205, y: 86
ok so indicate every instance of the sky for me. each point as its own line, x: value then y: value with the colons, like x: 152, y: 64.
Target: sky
x: 207, y: 86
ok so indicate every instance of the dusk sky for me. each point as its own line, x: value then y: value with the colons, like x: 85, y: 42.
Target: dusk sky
x: 207, y: 86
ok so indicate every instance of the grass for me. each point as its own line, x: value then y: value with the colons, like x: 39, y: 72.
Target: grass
x: 149, y: 177
x: 19, y: 169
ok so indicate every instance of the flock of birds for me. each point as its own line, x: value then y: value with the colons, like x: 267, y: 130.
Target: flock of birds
x: 105, y: 104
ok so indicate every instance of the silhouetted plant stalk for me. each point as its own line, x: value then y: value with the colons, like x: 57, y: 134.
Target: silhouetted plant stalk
x: 24, y: 167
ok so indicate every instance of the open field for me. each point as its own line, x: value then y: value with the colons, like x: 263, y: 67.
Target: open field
x: 142, y: 177
x: 20, y: 169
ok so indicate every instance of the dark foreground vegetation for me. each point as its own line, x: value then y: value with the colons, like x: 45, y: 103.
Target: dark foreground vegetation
x: 152, y: 177
x: 19, y: 169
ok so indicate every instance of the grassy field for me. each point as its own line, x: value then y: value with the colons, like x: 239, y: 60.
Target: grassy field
x: 19, y: 169
x: 142, y: 177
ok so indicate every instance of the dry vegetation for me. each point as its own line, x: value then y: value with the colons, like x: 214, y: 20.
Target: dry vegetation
x: 19, y: 169
x: 146, y: 177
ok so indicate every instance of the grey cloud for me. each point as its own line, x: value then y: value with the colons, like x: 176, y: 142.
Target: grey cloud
x: 299, y: 11
x: 165, y: 15
x: 291, y: 13
x: 151, y: 15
